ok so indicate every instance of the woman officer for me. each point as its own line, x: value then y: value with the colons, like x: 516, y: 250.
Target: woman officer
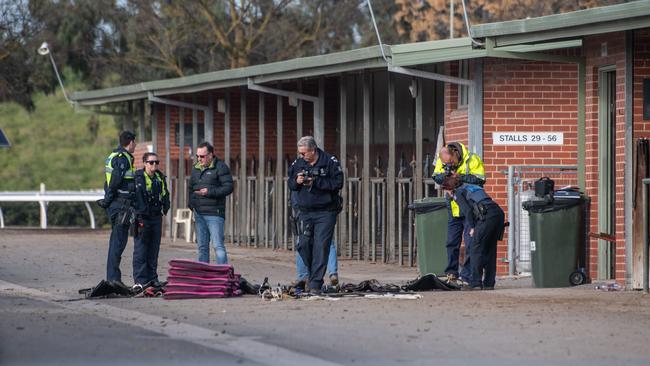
x: 151, y: 202
x: 486, y: 221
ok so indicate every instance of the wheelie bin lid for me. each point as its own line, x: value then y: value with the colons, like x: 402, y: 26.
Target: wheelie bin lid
x: 557, y: 204
x: 428, y: 204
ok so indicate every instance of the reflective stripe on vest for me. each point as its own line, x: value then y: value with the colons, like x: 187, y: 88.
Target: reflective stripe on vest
x: 108, y: 169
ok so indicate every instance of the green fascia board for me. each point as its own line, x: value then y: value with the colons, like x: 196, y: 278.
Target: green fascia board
x: 588, y: 17
x: 421, y: 53
x: 319, y: 65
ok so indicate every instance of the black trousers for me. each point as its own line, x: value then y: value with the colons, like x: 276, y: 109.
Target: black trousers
x: 146, y: 249
x: 117, y: 242
x: 484, y: 247
x: 316, y: 231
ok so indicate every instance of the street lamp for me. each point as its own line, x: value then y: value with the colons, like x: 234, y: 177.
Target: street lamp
x: 45, y: 50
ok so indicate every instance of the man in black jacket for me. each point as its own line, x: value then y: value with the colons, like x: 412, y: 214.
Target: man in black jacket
x: 316, y: 178
x: 151, y: 202
x: 210, y: 183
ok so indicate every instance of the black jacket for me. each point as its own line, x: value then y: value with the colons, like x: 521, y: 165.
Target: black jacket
x: 217, y: 179
x: 151, y: 203
x: 323, y: 194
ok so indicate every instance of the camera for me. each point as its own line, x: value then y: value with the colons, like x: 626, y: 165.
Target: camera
x: 310, y: 173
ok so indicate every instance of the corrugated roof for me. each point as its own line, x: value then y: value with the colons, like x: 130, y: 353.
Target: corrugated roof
x: 605, y: 19
x: 359, y: 59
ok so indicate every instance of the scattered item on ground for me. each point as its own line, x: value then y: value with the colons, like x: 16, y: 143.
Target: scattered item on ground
x: 430, y: 282
x: 107, y: 289
x: 609, y: 287
x: 190, y: 279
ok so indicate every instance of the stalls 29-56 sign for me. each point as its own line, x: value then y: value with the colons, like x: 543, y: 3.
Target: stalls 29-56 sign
x: 528, y: 138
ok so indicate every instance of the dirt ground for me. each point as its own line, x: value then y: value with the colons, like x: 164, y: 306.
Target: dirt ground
x: 41, y: 271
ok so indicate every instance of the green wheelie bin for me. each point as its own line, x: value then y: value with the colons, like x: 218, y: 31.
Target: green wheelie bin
x: 556, y: 237
x: 431, y: 230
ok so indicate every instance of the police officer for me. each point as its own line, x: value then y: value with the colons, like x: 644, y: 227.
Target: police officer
x: 486, y: 222
x: 455, y: 160
x: 119, y: 195
x: 316, y: 177
x: 151, y: 202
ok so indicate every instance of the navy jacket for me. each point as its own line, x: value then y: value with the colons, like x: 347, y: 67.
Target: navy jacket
x: 217, y: 179
x: 467, y: 196
x: 323, y: 194
x: 151, y: 203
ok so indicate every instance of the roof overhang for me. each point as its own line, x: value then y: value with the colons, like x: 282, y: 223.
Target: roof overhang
x: 614, y: 18
x: 306, y: 67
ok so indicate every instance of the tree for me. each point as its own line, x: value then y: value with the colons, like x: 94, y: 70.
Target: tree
x: 429, y: 19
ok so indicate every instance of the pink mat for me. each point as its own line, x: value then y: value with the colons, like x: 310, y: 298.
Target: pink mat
x: 190, y: 264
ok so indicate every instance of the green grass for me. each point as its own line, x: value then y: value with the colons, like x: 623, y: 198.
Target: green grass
x: 54, y: 145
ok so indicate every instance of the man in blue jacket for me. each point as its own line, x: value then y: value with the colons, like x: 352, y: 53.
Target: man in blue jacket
x: 209, y: 185
x: 316, y: 178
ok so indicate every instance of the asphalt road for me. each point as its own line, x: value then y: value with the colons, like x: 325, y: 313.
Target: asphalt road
x: 43, y: 320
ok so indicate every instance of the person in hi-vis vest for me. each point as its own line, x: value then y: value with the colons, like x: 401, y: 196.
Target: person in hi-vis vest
x: 455, y: 159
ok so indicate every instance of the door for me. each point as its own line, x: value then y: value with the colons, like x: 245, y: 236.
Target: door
x: 607, y: 170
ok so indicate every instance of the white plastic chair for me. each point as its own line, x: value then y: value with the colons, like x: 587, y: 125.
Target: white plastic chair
x: 184, y: 217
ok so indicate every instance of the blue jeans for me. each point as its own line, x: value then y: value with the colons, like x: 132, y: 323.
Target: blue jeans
x: 457, y: 229
x: 207, y: 228
x: 302, y: 271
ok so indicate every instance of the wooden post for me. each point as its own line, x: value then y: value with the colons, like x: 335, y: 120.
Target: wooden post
x: 243, y: 203
x: 279, y: 175
x: 343, y: 138
x: 418, y: 140
x: 365, y: 177
x: 259, y: 197
x: 390, y: 171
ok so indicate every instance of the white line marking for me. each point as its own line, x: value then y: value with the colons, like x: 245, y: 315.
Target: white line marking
x: 245, y: 347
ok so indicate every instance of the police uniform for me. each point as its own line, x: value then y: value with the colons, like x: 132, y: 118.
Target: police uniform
x: 317, y: 206
x: 119, y: 195
x: 470, y: 170
x: 151, y: 202
x: 487, y: 219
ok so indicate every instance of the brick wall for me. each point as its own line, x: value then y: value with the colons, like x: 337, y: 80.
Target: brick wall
x: 519, y: 96
x: 252, y: 137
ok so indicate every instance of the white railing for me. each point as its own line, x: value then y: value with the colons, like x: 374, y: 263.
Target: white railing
x: 43, y: 198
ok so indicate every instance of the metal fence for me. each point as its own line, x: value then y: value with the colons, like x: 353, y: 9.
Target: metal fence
x: 245, y: 226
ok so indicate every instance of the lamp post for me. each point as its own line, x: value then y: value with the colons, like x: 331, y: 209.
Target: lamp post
x: 45, y: 50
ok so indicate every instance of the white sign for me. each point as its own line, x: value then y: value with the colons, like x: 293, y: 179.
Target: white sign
x: 528, y: 138
x: 533, y: 247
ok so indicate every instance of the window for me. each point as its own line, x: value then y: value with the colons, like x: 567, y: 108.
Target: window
x: 463, y: 90
x: 188, y: 134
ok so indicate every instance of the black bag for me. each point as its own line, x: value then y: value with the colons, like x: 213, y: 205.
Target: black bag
x: 544, y: 187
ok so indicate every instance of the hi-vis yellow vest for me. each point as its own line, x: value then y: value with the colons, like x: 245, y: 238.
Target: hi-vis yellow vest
x: 471, y: 164
x: 108, y: 169
x: 149, y: 183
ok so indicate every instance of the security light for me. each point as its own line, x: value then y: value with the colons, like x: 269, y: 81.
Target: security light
x: 44, y: 50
